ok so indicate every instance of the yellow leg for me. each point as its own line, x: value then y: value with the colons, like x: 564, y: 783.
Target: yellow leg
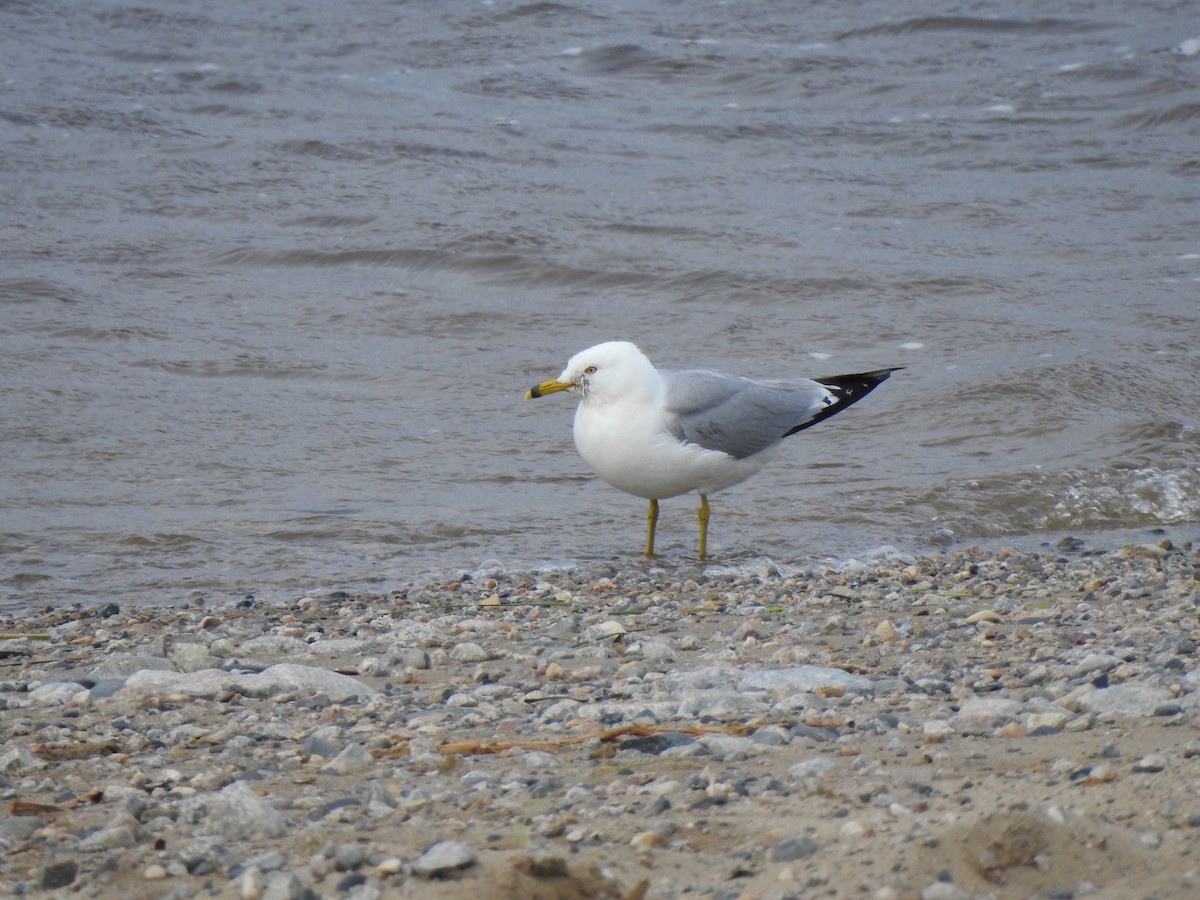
x: 652, y: 516
x: 703, y: 525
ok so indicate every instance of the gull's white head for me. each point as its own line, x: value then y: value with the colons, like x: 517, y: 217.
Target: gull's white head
x: 613, y: 370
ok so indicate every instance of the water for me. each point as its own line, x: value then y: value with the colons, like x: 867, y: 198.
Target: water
x: 275, y: 278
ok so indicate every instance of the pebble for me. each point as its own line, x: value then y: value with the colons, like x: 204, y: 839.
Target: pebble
x: 886, y: 631
x: 348, y: 857
x: 1151, y: 762
x: 292, y: 750
x: 444, y: 856
x: 944, y: 890
x: 984, y: 615
x: 793, y: 848
x: 58, y: 875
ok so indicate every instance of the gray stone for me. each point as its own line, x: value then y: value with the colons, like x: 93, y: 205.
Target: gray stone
x: 339, y: 648
x: 468, y: 652
x: 980, y: 715
x: 352, y: 758
x: 606, y: 631
x: 772, y: 736
x: 56, y: 693
x: 272, y: 645
x: 16, y: 647
x: 236, y: 813
x: 204, y: 684
x: 944, y: 890
x: 654, y: 649
x: 18, y: 759
x: 283, y: 886
x: 930, y: 684
x: 279, y: 678
x: 293, y: 677
x: 707, y: 678
x: 348, y: 857
x: 1129, y: 701
x: 1151, y: 762
x: 445, y: 856
x: 18, y: 828
x: 193, y: 658
x: 118, y: 665
x: 106, y: 687
x: 729, y: 747
x: 792, y: 848
x: 1095, y: 663
x: 199, y: 854
x: 805, y: 678
x: 717, y: 704
x: 812, y: 768
x: 408, y: 657
x: 116, y: 836
x: 59, y: 874
x: 324, y: 742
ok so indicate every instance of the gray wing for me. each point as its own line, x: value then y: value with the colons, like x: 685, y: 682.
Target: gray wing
x: 739, y: 416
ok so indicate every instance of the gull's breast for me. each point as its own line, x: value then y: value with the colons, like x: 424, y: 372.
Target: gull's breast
x: 632, y: 450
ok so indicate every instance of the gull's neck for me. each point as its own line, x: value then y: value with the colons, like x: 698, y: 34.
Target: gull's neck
x: 643, y: 386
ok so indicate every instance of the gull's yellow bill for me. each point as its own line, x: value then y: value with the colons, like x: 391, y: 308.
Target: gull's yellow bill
x: 553, y: 386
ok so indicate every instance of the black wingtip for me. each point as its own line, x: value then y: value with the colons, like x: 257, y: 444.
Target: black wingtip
x: 846, y: 390
x: 855, y: 387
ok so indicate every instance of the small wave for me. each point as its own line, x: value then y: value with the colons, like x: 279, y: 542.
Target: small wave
x: 35, y: 290
x: 121, y: 333
x: 550, y: 12
x: 319, y: 149
x: 525, y: 84
x: 240, y: 367
x: 330, y: 221
x: 221, y: 109
x: 160, y: 541
x: 528, y: 269
x: 1074, y: 499
x: 236, y: 86
x: 634, y: 59
x: 1180, y: 113
x: 88, y: 117
x: 972, y: 24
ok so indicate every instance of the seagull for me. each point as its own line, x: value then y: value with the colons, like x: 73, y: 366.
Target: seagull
x: 656, y: 433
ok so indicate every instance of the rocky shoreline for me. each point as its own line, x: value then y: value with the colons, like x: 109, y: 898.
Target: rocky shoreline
x: 964, y: 725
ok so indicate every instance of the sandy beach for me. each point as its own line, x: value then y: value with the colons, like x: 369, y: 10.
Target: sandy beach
x: 966, y: 725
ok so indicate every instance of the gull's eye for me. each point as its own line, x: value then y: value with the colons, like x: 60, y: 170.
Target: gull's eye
x: 590, y: 370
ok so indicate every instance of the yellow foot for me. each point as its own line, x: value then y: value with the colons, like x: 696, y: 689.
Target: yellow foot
x: 703, y: 526
x: 652, y: 517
